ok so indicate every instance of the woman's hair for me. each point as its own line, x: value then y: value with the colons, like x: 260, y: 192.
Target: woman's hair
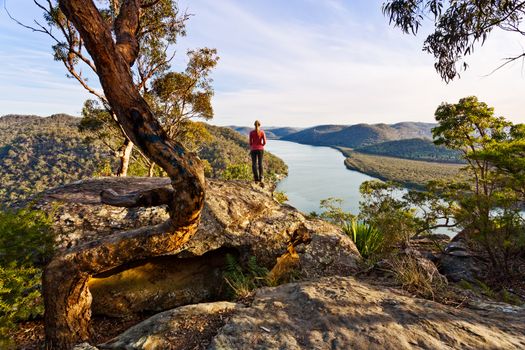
x: 257, y: 125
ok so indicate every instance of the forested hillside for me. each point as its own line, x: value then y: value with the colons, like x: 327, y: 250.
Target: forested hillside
x: 360, y: 135
x: 417, y: 149
x: 408, y: 172
x: 38, y: 153
x: 284, y: 131
x: 408, y: 130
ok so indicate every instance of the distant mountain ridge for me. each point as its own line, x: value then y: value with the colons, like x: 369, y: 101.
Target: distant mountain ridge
x: 359, y: 135
x: 274, y: 133
x: 350, y: 136
x: 19, y: 119
x: 409, y: 140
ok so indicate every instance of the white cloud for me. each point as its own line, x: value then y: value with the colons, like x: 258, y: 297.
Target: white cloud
x: 346, y: 70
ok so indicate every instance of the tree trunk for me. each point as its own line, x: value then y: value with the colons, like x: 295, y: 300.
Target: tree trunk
x: 71, y: 298
x: 66, y: 296
x: 151, y: 168
x: 126, y: 150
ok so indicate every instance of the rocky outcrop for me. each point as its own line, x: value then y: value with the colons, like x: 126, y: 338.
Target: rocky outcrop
x: 239, y: 218
x: 460, y: 261
x: 329, y: 313
x: 430, y: 246
x: 242, y: 219
x: 344, y: 313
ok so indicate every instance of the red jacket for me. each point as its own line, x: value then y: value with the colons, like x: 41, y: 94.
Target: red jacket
x: 257, y: 140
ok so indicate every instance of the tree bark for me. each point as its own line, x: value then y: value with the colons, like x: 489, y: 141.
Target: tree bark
x: 126, y: 150
x: 66, y: 296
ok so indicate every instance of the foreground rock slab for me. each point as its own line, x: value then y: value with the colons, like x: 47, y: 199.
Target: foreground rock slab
x: 186, y: 327
x: 344, y: 313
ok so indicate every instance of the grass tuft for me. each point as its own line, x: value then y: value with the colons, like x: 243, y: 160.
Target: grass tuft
x: 368, y: 239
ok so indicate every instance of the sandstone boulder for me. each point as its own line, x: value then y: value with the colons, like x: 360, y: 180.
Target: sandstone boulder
x: 459, y: 262
x: 239, y: 218
x: 329, y: 313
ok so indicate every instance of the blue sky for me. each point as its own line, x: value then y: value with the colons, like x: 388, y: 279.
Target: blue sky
x: 294, y: 62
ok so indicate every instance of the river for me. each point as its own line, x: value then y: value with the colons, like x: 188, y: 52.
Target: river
x: 316, y: 173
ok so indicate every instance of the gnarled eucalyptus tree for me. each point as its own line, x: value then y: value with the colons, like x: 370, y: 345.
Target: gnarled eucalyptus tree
x: 114, y: 49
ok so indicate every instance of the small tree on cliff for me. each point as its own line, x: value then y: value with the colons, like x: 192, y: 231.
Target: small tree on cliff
x: 508, y: 157
x: 175, y: 97
x: 178, y: 97
x: 458, y: 26
x: 488, y: 203
x: 114, y: 47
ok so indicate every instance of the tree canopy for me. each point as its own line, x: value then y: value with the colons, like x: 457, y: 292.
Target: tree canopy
x: 459, y: 26
x: 160, y: 24
x: 490, y: 201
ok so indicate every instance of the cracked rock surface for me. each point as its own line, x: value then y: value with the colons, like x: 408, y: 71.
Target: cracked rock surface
x: 344, y: 313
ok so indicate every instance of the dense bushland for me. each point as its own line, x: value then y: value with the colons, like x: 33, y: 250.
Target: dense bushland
x: 40, y: 153
x: 416, y: 149
x: 410, y: 173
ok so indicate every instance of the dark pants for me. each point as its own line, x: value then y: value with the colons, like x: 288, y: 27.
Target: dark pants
x: 257, y: 164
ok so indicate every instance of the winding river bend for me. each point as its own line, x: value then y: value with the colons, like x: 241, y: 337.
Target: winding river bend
x: 316, y: 173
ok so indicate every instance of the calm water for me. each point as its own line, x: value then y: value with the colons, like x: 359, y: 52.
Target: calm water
x: 316, y: 173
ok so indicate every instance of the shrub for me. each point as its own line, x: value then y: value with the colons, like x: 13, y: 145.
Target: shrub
x: 464, y: 284
x: 333, y: 212
x: 313, y: 215
x: 509, y: 298
x: 499, y: 293
x: 237, y: 172
x: 104, y: 169
x: 385, y: 208
x: 486, y: 289
x: 242, y: 280
x: 26, y: 244
x: 367, y: 238
x: 280, y: 197
x: 20, y: 297
x: 25, y: 237
x: 414, y: 278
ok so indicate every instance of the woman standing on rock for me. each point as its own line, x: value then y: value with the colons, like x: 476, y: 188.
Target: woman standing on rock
x: 257, y: 142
